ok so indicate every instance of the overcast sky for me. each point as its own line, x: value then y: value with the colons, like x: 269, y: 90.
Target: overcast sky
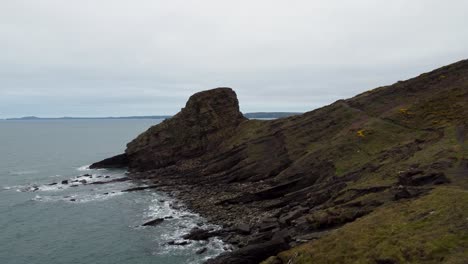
x: 146, y: 57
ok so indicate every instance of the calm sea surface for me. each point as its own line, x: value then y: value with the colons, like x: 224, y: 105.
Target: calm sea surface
x: 49, y: 224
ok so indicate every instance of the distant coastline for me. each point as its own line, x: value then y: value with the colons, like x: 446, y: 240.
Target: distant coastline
x: 31, y: 118
x: 248, y: 115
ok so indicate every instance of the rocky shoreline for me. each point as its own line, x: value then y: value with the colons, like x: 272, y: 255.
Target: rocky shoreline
x: 260, y: 229
x: 246, y: 227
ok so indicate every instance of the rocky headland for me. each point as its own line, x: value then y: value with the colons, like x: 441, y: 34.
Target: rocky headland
x: 378, y: 178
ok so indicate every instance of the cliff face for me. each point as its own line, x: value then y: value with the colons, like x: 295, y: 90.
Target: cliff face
x: 208, y: 118
x: 306, y: 174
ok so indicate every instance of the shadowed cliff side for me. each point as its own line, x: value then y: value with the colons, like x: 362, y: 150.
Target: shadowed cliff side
x: 295, y: 179
x: 208, y: 118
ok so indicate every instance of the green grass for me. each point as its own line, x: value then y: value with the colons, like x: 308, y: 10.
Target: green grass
x: 431, y: 229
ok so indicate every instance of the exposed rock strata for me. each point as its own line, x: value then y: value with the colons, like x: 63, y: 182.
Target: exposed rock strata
x: 292, y: 180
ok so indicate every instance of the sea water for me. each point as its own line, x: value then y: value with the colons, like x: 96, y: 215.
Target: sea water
x: 84, y: 223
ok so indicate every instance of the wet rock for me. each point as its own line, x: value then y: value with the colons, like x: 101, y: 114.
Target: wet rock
x: 51, y: 184
x: 72, y: 200
x: 65, y: 182
x: 83, y: 181
x: 178, y: 243
x: 141, y: 188
x: 87, y: 175
x: 112, y: 181
x: 201, y: 234
x: 154, y: 222
x: 201, y: 251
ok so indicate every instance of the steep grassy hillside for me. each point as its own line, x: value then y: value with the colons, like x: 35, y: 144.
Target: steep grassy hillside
x: 298, y: 179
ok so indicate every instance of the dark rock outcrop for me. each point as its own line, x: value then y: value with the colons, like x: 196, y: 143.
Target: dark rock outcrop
x: 116, y: 162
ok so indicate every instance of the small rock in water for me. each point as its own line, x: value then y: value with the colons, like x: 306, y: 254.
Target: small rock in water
x: 87, y: 175
x: 83, y: 181
x: 181, y: 243
x: 65, y: 182
x: 72, y: 200
x: 154, y: 222
x: 50, y: 184
x: 201, y: 251
x: 106, y: 193
x: 107, y: 177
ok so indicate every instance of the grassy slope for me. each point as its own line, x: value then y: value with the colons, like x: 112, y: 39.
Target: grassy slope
x: 432, y: 229
x: 421, y: 123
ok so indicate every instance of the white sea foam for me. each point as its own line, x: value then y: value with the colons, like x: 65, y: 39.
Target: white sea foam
x: 94, y: 197
x: 84, y: 168
x: 74, y: 181
x: 182, y: 222
x: 77, y: 197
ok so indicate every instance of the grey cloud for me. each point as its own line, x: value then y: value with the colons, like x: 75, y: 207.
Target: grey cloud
x: 116, y: 57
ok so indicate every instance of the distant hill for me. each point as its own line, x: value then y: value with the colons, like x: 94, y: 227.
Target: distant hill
x: 248, y: 115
